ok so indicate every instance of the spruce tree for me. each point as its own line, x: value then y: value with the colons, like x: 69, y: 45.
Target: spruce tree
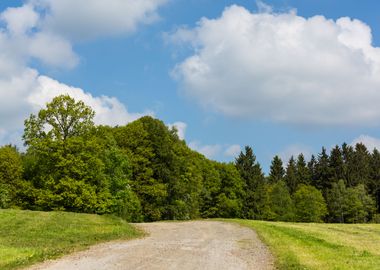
x: 336, y: 164
x: 303, y: 174
x: 291, y: 175
x: 322, y: 170
x: 253, y: 177
x: 277, y: 171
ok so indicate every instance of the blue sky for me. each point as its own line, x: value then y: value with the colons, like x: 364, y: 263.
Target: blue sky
x: 145, y: 68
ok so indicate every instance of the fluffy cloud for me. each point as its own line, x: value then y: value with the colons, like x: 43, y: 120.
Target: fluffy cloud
x: 38, y: 31
x: 181, y: 129
x: 82, y: 19
x: 233, y: 150
x: 214, y: 151
x: 282, y: 67
x: 370, y: 142
x: 210, y: 151
x: 293, y: 151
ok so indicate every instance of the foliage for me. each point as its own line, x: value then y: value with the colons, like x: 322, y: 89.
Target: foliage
x: 277, y: 171
x: 255, y: 199
x: 281, y: 203
x: 11, y: 170
x: 143, y: 171
x: 310, y: 204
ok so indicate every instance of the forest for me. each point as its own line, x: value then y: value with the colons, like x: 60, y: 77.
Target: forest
x: 144, y: 172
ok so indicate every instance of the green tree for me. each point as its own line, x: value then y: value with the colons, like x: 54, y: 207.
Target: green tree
x: 281, y: 203
x: 303, y: 174
x: 360, y: 167
x: 337, y: 202
x: 323, y: 172
x: 11, y: 170
x: 336, y: 163
x: 230, y: 199
x: 310, y: 204
x: 72, y: 165
x: 291, y: 175
x: 360, y: 206
x: 277, y: 171
x: 254, y: 184
x: 374, y: 179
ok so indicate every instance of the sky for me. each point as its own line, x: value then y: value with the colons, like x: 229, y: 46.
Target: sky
x: 281, y: 76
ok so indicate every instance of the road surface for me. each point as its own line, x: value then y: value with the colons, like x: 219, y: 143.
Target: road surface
x: 210, y: 245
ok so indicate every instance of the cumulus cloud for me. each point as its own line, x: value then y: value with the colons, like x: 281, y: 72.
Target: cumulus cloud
x: 370, y: 142
x: 210, y: 151
x: 41, y: 30
x: 180, y: 127
x: 82, y: 19
x: 233, y: 150
x: 214, y: 151
x: 282, y: 67
x: 293, y: 151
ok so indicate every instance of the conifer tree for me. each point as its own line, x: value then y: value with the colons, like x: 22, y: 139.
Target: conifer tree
x: 277, y: 171
x: 291, y: 175
x: 303, y: 173
x: 253, y: 177
x: 322, y: 170
x: 336, y: 164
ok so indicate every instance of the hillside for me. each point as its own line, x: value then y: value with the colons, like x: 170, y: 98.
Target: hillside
x: 27, y: 237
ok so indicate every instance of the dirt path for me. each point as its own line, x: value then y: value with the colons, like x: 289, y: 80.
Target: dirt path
x: 174, y: 245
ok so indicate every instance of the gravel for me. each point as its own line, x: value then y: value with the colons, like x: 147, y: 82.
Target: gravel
x: 210, y: 245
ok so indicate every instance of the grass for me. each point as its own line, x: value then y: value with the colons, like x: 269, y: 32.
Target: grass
x: 27, y: 237
x: 320, y: 246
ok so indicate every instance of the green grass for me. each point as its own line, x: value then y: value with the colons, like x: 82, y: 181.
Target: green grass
x: 320, y: 246
x: 27, y: 237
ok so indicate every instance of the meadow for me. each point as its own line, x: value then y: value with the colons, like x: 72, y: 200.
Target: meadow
x: 27, y: 237
x: 320, y: 246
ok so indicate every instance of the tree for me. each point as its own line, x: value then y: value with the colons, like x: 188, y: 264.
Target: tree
x: 303, y: 174
x: 360, y: 167
x: 10, y: 175
x: 277, y: 171
x: 72, y: 165
x: 310, y: 204
x: 63, y: 118
x: 337, y: 202
x: 281, y: 204
x: 360, y: 206
x: 374, y: 180
x: 230, y: 199
x: 336, y: 164
x: 291, y: 175
x: 322, y: 171
x: 254, y: 181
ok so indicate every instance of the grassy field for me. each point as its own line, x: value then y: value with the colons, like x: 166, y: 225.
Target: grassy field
x: 27, y: 237
x: 320, y: 246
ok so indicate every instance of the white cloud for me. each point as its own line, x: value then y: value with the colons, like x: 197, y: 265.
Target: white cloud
x: 210, y: 151
x: 82, y: 19
x: 370, y: 142
x: 283, y: 67
x: 25, y: 34
x: 214, y: 151
x: 109, y: 111
x: 181, y: 129
x: 233, y: 150
x: 294, y: 150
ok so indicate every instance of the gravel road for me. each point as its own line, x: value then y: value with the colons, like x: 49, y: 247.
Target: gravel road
x: 189, y: 245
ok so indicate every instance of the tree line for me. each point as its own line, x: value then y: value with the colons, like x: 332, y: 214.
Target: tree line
x: 144, y: 172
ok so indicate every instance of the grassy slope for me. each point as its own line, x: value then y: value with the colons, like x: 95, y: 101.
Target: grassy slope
x: 27, y: 237
x: 320, y: 246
